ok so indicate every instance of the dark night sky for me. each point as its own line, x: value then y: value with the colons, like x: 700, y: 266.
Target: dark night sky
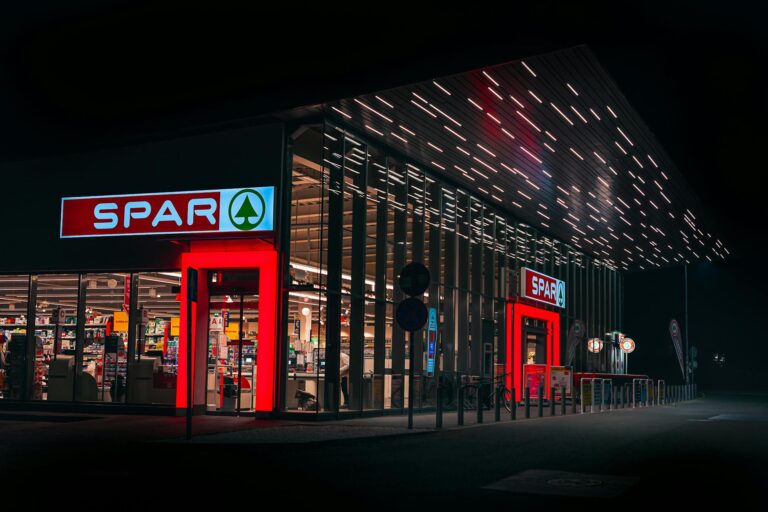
x: 78, y: 74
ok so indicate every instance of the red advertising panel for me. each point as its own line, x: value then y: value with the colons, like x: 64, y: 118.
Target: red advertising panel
x: 205, y: 211
x: 543, y: 288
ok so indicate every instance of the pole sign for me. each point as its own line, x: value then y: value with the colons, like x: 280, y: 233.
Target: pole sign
x: 674, y: 332
x: 411, y: 314
x: 543, y: 288
x: 234, y: 210
x: 431, y: 341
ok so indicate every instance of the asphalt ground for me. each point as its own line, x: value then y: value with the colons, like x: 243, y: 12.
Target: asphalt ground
x: 708, y: 452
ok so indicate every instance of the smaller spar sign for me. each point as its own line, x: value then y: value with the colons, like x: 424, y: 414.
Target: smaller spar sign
x: 234, y: 210
x: 543, y: 288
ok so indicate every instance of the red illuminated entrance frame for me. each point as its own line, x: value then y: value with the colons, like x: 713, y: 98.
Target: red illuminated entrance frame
x: 514, y: 363
x: 225, y: 256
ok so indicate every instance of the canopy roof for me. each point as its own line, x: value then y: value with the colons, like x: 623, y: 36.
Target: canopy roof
x: 552, y: 140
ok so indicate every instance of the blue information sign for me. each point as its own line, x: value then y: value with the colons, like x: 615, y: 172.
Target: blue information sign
x: 431, y: 341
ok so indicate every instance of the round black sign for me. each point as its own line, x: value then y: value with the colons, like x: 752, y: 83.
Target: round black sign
x: 411, y: 314
x: 413, y: 279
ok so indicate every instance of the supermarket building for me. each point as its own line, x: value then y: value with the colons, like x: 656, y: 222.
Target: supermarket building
x: 526, y: 188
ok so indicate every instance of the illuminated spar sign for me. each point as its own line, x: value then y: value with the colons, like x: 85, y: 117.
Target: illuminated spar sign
x: 543, y: 288
x: 431, y: 341
x: 233, y: 210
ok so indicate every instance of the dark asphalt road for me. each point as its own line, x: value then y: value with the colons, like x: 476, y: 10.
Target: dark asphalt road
x: 711, y: 451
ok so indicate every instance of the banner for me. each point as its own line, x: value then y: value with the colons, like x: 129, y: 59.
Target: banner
x: 674, y: 332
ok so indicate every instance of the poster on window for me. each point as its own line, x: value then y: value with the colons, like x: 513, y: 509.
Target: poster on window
x: 535, y: 376
x: 560, y: 377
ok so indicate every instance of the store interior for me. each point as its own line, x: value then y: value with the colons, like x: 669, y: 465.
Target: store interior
x: 97, y: 303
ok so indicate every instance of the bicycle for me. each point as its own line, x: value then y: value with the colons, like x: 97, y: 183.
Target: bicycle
x: 506, y: 394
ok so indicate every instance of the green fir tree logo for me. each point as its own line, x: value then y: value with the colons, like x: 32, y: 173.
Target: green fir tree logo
x: 247, y: 217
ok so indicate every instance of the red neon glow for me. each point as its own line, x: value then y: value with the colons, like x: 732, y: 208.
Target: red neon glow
x: 514, y: 362
x: 265, y: 260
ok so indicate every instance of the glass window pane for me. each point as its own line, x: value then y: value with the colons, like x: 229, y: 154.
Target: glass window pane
x: 159, y: 337
x: 56, y: 340
x: 14, y: 293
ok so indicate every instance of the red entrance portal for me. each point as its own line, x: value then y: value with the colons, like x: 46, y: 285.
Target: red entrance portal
x: 221, y: 256
x: 514, y: 355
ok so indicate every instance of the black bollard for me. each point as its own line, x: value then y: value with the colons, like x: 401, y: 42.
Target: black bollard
x: 512, y: 404
x: 541, y: 402
x: 497, y: 403
x: 480, y: 388
x: 552, y: 401
x: 460, y: 411
x: 527, y: 402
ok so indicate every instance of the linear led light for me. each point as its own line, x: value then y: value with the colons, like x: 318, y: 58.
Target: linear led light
x: 384, y: 101
x: 577, y: 154
x: 493, y: 91
x: 488, y: 166
x: 374, y: 130
x: 475, y: 104
x: 531, y: 155
x: 368, y: 107
x: 504, y: 130
x: 534, y: 96
x: 342, y: 113
x: 433, y: 115
x: 528, y: 121
x: 446, y: 91
x: 489, y: 77
x: 498, y: 121
x: 625, y: 137
x: 528, y: 68
x: 486, y: 150
x: 403, y: 139
x: 455, y: 133
x: 584, y: 119
x: 561, y: 113
x: 517, y: 101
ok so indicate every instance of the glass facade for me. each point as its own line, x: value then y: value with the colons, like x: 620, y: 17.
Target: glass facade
x: 358, y: 215
x: 95, y: 337
x: 355, y: 214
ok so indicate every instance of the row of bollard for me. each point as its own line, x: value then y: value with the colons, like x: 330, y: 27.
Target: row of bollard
x: 621, y: 398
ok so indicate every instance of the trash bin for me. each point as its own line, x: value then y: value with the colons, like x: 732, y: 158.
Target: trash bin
x: 368, y: 390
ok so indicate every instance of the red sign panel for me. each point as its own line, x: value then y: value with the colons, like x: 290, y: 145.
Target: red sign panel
x: 206, y: 211
x: 543, y: 288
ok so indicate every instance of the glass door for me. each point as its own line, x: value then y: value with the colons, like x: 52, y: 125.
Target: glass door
x: 232, y: 344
